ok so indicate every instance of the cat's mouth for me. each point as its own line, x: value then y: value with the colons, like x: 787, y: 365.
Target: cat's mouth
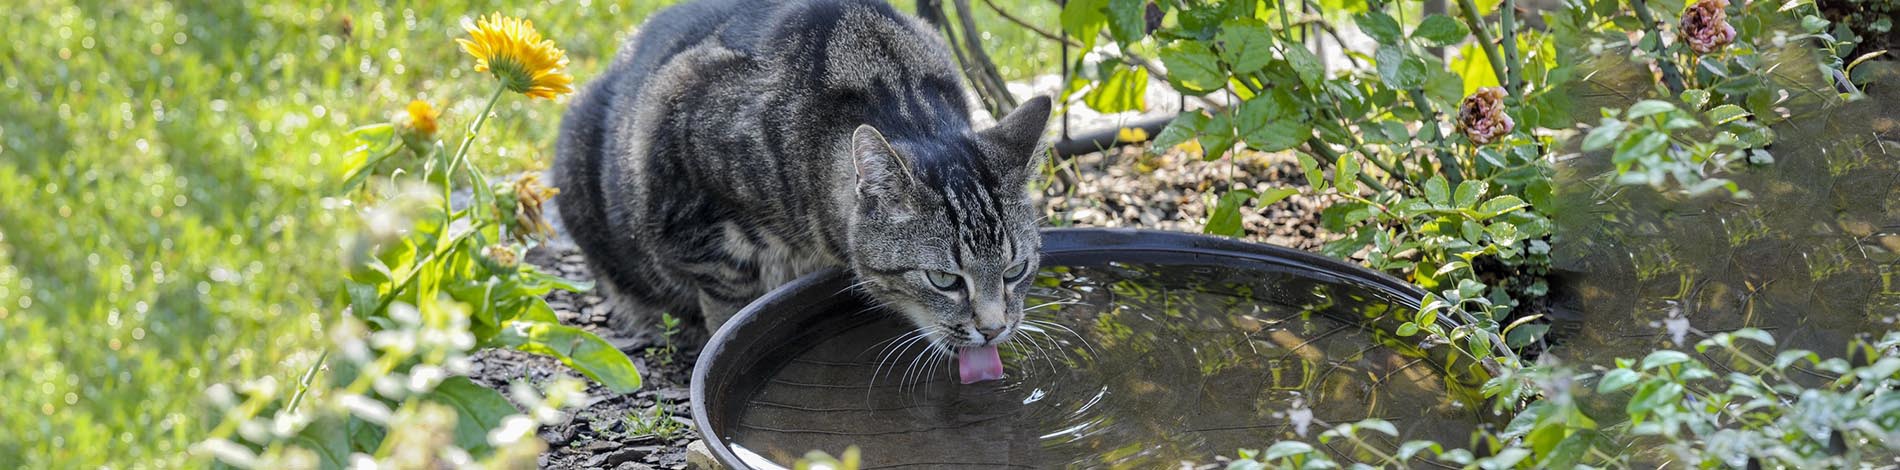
x: 978, y: 360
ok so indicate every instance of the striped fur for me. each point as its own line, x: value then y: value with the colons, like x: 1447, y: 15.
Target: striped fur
x: 736, y: 144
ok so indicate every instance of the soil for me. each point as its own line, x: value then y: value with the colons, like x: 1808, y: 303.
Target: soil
x: 1124, y: 187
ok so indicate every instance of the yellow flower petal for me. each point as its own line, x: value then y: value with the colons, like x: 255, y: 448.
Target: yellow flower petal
x: 512, y: 50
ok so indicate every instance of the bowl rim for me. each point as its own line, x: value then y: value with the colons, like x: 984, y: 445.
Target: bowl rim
x: 1078, y: 243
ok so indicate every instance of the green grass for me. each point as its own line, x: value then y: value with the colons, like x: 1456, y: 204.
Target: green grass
x: 168, y: 216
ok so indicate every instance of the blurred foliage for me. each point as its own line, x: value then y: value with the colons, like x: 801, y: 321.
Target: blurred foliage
x: 173, y: 216
x: 1748, y: 407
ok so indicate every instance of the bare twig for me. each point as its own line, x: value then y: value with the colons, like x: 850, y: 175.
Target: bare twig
x: 1026, y: 25
x: 985, y: 67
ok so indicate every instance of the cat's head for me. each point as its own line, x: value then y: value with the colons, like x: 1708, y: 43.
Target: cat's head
x: 944, y: 229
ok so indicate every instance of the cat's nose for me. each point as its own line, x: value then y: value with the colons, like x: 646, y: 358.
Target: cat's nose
x: 990, y: 334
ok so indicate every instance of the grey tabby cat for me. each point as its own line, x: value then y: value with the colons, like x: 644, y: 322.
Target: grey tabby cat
x: 736, y: 144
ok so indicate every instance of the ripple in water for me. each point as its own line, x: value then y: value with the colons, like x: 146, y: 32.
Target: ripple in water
x: 1119, y: 366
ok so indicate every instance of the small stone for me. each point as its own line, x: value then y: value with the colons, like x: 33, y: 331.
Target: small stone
x: 699, y: 457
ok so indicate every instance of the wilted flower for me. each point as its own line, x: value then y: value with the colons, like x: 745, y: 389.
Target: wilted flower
x: 500, y: 258
x: 1482, y: 118
x: 1705, y: 26
x: 529, y: 196
x: 514, y: 52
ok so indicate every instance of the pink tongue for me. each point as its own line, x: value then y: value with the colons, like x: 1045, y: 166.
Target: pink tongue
x: 979, y: 364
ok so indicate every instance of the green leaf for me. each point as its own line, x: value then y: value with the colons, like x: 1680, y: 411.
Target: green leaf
x: 1411, y: 448
x: 1438, y: 191
x: 1400, y: 69
x: 1523, y: 335
x: 1500, y: 205
x: 1226, y: 217
x: 1380, y: 26
x: 1786, y: 358
x: 1124, y: 90
x: 1246, y: 44
x: 1179, y: 131
x: 1346, y: 174
x: 1279, y: 135
x: 1380, y: 425
x: 1604, y: 135
x: 1725, y: 114
x: 1310, y: 167
x: 1468, y: 192
x: 1696, y: 98
x: 1652, y: 395
x: 1617, y: 380
x: 1192, y: 68
x: 1647, y: 108
x: 1275, y: 195
x: 577, y: 348
x: 1338, y: 217
x: 477, y: 408
x: 1754, y: 334
x: 1444, y: 87
x: 1127, y: 20
x: 1217, y: 137
x: 1304, y: 64
x: 1440, y: 30
x: 1407, y: 329
x: 1664, y: 357
x: 1284, y: 449
x: 1083, y: 18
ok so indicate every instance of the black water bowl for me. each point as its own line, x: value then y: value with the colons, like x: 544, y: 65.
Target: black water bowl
x: 1141, y: 349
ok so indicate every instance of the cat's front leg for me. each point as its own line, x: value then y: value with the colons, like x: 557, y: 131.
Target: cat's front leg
x: 716, y: 309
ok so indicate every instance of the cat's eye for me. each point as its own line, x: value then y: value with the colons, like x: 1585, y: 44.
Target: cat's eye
x: 943, y: 280
x: 1016, y: 272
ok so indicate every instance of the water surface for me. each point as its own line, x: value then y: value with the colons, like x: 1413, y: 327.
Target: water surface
x: 1120, y: 366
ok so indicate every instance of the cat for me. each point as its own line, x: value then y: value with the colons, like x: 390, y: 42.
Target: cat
x: 734, y: 145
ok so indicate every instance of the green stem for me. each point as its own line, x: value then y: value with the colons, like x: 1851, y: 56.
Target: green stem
x: 1508, y: 21
x: 1447, y: 164
x: 461, y: 152
x: 1671, y: 76
x: 1328, y: 157
x: 303, y: 386
x: 1491, y: 54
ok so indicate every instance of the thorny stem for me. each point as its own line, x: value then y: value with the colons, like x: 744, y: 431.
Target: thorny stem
x: 1671, y: 76
x: 1491, y: 54
x: 1507, y: 15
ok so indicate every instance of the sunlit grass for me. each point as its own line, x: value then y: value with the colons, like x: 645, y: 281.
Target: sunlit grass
x: 166, y: 175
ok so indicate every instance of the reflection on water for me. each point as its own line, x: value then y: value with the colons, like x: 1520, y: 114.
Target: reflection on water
x: 1125, y: 367
x: 1813, y: 257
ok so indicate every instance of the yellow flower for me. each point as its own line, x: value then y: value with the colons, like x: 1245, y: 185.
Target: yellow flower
x: 1132, y: 135
x: 514, y: 52
x: 419, y: 118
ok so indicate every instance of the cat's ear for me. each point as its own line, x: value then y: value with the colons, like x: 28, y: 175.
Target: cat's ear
x: 1018, y: 134
x: 883, y: 175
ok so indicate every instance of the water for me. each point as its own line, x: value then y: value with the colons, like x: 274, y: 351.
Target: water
x: 1813, y: 257
x: 1129, y: 366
